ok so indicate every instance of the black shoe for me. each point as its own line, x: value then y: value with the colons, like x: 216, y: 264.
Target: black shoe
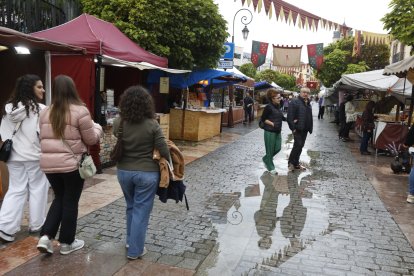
x: 365, y: 153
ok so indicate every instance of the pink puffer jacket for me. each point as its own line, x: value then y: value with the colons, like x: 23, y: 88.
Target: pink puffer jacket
x: 56, y: 156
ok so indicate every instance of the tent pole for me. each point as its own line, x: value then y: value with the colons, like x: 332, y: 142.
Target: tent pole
x: 98, y: 99
x: 231, y: 99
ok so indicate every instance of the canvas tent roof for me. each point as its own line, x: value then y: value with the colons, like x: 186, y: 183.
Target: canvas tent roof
x: 100, y: 37
x: 375, y: 80
x: 236, y: 72
x: 400, y: 68
x: 182, y: 81
x: 9, y: 38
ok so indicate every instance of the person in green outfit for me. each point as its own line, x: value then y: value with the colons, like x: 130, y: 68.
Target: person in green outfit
x: 272, y: 117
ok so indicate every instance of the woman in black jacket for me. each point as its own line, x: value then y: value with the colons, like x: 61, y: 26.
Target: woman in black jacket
x: 368, y: 126
x: 272, y: 117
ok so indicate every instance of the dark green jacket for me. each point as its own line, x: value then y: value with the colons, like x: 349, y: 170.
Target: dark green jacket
x: 138, y: 143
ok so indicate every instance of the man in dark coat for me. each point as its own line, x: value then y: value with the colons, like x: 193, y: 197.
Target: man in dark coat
x: 300, y: 121
x: 248, y: 108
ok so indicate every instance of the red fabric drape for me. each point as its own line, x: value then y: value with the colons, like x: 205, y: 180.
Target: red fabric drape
x: 82, y: 70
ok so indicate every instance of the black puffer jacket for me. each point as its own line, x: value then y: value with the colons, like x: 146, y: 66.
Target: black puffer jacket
x: 273, y: 114
x: 302, y: 112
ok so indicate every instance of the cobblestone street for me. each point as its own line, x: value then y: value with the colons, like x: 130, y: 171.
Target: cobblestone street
x: 327, y: 220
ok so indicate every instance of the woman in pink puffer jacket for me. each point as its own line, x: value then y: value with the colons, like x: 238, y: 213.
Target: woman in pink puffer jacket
x: 66, y: 123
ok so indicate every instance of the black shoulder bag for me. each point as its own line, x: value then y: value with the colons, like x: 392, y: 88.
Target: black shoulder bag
x: 7, y: 145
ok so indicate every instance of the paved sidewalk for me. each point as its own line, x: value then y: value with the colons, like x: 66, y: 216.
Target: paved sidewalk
x: 327, y: 220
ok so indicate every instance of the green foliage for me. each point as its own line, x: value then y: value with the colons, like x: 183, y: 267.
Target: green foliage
x: 286, y: 81
x: 375, y: 56
x: 249, y: 70
x: 338, y: 60
x: 400, y: 21
x: 333, y: 67
x: 356, y: 68
x: 190, y: 33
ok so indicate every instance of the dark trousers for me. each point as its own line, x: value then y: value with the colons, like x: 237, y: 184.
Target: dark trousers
x: 63, y: 212
x: 248, y: 116
x: 347, y: 128
x: 299, y: 138
x: 364, y: 141
x: 321, y: 112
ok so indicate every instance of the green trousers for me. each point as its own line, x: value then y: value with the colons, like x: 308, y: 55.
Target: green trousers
x: 273, y: 144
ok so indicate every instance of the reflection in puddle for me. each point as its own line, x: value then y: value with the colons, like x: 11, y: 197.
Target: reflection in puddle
x: 276, y: 219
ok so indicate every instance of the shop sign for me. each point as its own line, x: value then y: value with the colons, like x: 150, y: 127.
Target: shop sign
x: 164, y: 85
x: 229, y: 53
x: 225, y: 64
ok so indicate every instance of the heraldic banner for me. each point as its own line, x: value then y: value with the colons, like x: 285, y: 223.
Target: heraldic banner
x: 286, y: 56
x: 259, y: 51
x: 315, y: 55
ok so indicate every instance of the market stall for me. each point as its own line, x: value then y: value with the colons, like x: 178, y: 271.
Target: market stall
x: 389, y: 93
x: 197, y: 104
x: 198, y: 124
x: 36, y: 61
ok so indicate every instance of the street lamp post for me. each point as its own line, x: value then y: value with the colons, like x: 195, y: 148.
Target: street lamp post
x: 245, y: 19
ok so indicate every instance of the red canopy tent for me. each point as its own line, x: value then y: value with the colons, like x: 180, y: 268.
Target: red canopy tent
x: 100, y: 37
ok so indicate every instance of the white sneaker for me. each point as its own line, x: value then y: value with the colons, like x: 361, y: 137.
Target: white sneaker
x: 410, y: 198
x: 69, y: 248
x: 273, y: 172
x: 139, y: 256
x: 45, y: 245
x: 6, y: 237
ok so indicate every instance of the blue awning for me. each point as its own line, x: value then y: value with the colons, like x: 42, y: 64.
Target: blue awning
x: 215, y: 77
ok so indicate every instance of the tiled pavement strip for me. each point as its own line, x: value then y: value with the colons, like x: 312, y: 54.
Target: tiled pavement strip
x: 328, y: 220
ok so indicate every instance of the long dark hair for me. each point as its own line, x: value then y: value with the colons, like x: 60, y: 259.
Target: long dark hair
x: 370, y: 106
x: 24, y: 93
x: 136, y: 104
x: 64, y: 94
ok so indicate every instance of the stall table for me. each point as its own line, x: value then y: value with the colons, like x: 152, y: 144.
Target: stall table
x: 194, y: 125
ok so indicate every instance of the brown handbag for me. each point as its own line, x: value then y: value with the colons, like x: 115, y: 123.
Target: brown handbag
x: 116, y: 152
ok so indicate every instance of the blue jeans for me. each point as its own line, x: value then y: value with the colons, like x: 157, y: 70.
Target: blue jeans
x: 139, y: 190
x: 364, y: 141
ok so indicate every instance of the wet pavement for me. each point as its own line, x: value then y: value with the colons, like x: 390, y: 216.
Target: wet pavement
x: 345, y: 215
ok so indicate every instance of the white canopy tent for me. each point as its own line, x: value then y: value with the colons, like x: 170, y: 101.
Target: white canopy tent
x: 404, y: 69
x: 377, y: 81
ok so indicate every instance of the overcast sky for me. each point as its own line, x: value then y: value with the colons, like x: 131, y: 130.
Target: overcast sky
x: 360, y: 14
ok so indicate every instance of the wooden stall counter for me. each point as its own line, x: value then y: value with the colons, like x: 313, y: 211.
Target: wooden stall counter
x: 238, y: 116
x: 194, y: 125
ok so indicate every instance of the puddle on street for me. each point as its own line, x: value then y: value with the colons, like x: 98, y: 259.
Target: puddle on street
x: 268, y: 222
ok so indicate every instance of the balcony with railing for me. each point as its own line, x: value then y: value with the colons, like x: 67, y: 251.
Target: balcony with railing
x: 31, y: 16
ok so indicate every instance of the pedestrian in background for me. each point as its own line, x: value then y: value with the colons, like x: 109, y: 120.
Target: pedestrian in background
x: 25, y: 176
x: 248, y: 108
x: 272, y: 118
x: 138, y: 172
x: 409, y: 142
x: 350, y: 118
x: 368, y: 126
x: 321, y: 103
x: 66, y: 131
x: 300, y: 121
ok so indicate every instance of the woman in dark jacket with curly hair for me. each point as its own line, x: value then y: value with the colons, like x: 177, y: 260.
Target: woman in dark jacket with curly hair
x: 272, y: 117
x: 368, y: 126
x: 138, y: 173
